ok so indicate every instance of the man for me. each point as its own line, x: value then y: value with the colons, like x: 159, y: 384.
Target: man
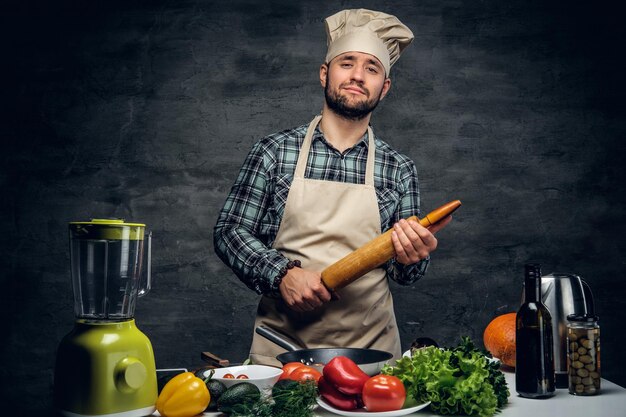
x: 308, y: 196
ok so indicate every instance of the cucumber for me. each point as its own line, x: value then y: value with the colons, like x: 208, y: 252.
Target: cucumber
x: 238, y: 396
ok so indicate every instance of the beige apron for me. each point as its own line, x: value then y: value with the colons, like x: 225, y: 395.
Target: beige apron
x: 322, y: 222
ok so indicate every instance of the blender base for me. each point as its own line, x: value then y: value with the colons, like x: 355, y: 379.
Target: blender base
x: 132, y: 413
x: 105, y: 369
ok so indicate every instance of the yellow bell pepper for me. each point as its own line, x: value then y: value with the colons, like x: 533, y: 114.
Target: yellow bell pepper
x: 185, y: 395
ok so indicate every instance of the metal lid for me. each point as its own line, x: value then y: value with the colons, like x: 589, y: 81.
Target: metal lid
x: 106, y: 229
x: 582, y: 318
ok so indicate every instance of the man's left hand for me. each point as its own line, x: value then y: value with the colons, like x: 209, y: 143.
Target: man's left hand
x: 414, y: 242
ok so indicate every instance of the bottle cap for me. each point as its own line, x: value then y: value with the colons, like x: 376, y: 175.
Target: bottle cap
x: 533, y: 270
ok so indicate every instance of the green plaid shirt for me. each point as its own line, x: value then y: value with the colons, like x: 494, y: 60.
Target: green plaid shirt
x: 248, y: 223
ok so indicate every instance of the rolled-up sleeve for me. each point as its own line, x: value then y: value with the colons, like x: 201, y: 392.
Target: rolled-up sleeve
x: 408, y: 206
x: 235, y: 233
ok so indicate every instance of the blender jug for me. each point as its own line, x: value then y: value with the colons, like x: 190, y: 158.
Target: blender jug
x: 105, y: 366
x: 106, y: 261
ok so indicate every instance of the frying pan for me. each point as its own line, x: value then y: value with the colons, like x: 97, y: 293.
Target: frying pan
x: 370, y: 361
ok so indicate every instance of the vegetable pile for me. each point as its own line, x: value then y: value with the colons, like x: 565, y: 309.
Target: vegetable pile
x: 289, y: 399
x: 458, y: 380
x: 346, y: 387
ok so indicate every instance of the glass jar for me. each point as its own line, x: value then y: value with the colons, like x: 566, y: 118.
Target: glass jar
x: 583, y: 354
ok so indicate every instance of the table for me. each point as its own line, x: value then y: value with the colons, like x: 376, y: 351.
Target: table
x: 611, y: 402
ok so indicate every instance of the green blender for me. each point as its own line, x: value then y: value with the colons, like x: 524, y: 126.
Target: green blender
x: 105, y: 366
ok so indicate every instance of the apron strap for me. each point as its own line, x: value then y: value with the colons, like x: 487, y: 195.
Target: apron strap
x: 306, y: 146
x: 371, y: 153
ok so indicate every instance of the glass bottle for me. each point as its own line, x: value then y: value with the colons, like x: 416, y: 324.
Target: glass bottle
x: 534, y: 355
x: 583, y: 354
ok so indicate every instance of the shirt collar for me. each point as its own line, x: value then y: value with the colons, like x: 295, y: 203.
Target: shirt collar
x: 318, y: 135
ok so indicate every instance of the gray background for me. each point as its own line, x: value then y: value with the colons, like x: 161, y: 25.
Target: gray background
x: 146, y: 110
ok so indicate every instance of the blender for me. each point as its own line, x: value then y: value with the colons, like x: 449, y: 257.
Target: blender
x: 105, y: 366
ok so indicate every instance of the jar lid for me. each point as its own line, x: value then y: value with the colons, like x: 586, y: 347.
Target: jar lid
x: 582, y: 318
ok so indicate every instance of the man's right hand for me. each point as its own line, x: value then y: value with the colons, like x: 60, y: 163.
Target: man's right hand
x: 303, y: 290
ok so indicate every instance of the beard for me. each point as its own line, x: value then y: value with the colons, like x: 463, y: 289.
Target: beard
x: 339, y: 104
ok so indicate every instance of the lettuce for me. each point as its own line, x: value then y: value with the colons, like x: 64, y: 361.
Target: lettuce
x: 457, y: 381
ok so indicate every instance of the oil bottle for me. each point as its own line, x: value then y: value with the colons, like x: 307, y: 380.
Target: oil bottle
x: 534, y: 355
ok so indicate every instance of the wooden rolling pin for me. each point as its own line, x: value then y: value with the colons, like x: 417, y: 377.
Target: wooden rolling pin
x: 375, y: 252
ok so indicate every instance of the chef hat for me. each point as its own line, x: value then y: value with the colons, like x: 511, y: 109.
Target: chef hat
x: 368, y: 31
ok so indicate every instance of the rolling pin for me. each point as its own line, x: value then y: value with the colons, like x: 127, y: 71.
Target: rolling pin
x: 375, y: 252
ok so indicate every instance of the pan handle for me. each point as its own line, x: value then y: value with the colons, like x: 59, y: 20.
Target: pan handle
x: 273, y: 336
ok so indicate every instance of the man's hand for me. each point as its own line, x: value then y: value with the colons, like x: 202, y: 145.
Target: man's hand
x: 303, y: 290
x: 414, y: 242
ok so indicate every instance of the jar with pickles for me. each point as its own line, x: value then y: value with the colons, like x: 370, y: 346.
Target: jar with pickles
x: 583, y: 354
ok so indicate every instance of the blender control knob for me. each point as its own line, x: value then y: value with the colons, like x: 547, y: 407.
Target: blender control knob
x: 130, y: 374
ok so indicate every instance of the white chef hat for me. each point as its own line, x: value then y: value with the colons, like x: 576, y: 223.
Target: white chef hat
x: 368, y: 31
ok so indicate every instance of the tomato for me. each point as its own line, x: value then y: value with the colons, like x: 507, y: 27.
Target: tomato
x: 383, y: 393
x: 304, y: 373
x: 242, y: 376
x: 288, y: 368
x: 229, y: 376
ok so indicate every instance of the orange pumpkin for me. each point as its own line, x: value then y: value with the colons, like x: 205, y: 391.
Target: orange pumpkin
x: 499, y: 338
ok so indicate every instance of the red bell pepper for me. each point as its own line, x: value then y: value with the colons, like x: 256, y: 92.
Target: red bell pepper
x: 345, y: 375
x: 335, y: 397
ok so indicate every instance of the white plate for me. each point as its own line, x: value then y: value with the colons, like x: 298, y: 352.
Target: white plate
x: 205, y: 414
x: 362, y: 412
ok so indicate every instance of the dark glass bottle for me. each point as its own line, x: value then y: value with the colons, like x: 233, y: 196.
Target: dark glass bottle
x: 534, y: 356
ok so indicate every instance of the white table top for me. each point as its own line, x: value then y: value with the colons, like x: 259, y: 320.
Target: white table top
x: 611, y: 402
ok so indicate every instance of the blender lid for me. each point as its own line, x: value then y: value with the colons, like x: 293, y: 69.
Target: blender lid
x: 111, y: 222
x: 109, y: 229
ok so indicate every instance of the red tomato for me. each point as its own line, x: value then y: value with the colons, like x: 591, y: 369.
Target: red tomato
x: 305, y: 372
x: 383, y: 393
x: 288, y: 368
x: 242, y: 376
x: 229, y: 376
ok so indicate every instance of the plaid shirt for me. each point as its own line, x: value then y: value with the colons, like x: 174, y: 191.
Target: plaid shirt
x: 249, y: 221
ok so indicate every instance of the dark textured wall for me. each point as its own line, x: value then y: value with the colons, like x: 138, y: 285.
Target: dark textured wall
x: 146, y: 110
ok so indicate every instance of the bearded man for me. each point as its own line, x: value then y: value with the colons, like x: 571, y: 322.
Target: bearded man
x: 307, y: 196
